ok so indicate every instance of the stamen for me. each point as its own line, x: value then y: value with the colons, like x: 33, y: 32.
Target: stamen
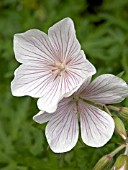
x: 57, y: 69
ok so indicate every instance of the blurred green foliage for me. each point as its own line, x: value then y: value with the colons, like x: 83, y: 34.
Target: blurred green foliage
x: 102, y: 29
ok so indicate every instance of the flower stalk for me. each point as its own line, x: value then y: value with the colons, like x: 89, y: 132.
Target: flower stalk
x: 122, y: 110
x: 107, y: 110
x: 114, y: 108
x: 113, y: 153
x: 126, y: 150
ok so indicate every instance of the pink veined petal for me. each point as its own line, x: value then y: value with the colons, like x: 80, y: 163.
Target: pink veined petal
x: 34, y: 77
x: 80, y: 69
x: 84, y: 85
x: 31, y: 80
x: 42, y: 117
x: 63, y: 38
x: 74, y: 90
x: 33, y: 46
x: 97, y: 126
x: 80, y: 87
x: 51, y: 98
x: 107, y: 89
x: 49, y: 103
x: 62, y: 130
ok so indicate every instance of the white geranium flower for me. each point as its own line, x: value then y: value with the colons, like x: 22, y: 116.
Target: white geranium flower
x: 53, y: 65
x: 97, y: 126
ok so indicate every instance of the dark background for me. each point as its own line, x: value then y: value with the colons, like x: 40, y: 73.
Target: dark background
x: 102, y: 29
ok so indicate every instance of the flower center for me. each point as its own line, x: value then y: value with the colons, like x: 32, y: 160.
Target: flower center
x: 58, y: 69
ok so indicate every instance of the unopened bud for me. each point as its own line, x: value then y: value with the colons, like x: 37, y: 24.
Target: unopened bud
x: 103, y: 163
x: 120, y: 128
x: 121, y: 163
x: 124, y: 112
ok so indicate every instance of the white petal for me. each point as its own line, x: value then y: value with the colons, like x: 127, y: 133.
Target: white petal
x: 33, y: 46
x: 63, y: 37
x: 42, y: 117
x: 84, y: 85
x: 31, y: 80
x: 97, y: 126
x: 62, y: 130
x: 49, y: 102
x: 107, y: 89
x: 74, y: 90
x: 79, y: 69
x: 80, y: 87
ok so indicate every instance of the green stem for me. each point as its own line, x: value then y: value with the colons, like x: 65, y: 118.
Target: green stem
x: 93, y: 104
x: 87, y: 101
x: 114, y: 108
x: 126, y: 150
x: 107, y: 110
x: 113, y: 153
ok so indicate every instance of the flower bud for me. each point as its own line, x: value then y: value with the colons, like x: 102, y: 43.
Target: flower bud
x: 121, y: 163
x: 124, y: 112
x: 120, y: 128
x: 103, y: 163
